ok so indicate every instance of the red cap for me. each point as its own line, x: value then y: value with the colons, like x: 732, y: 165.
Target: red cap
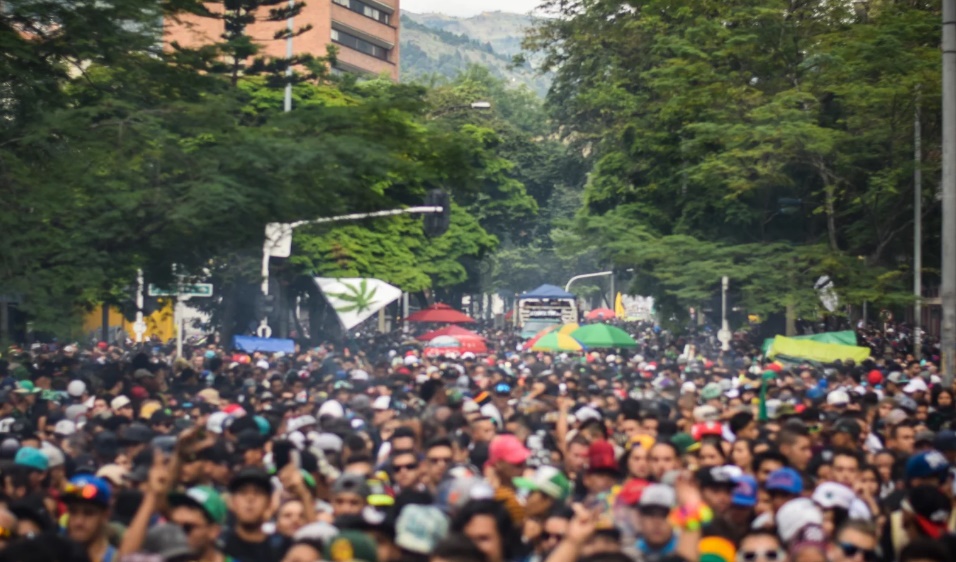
x: 601, y: 457
x: 103, y: 345
x: 632, y: 490
x: 234, y: 409
x: 138, y: 393
x: 874, y: 377
x: 775, y: 367
x: 507, y: 448
x: 700, y: 430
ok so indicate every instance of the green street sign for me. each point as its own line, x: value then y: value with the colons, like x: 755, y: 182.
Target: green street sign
x: 185, y: 290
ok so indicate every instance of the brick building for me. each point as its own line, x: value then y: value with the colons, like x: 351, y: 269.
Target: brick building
x: 365, y: 31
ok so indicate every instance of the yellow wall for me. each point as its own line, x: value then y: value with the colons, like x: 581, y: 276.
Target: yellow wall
x: 159, y: 323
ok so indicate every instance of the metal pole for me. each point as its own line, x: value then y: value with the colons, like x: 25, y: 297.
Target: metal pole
x: 613, y: 294
x: 178, y: 320
x: 948, y: 289
x: 917, y: 230
x: 138, y: 327
x: 287, y: 105
x: 105, y: 328
x: 724, y: 334
x: 585, y: 276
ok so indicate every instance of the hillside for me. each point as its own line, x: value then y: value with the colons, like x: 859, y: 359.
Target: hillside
x: 436, y: 44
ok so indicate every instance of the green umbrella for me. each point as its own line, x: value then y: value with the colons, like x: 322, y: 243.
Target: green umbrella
x: 603, y: 335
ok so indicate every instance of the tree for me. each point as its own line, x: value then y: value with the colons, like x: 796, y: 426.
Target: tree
x: 735, y: 135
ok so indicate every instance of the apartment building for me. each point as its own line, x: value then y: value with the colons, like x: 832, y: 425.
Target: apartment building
x: 365, y: 31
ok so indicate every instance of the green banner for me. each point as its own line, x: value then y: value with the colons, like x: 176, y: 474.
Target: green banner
x: 816, y: 351
x: 846, y: 337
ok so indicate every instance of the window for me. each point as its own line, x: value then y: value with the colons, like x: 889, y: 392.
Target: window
x: 360, y: 45
x: 360, y: 7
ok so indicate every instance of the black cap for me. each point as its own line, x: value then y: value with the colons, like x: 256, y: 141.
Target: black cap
x: 848, y: 425
x: 106, y: 444
x: 84, y: 464
x: 249, y: 439
x: 135, y: 434
x: 254, y: 476
x: 945, y: 441
x: 714, y: 477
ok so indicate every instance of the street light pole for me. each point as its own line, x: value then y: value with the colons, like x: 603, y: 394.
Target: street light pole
x: 917, y: 230
x: 278, y: 243
x: 948, y: 289
x: 567, y: 287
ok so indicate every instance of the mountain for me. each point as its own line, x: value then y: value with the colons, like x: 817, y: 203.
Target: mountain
x: 436, y: 44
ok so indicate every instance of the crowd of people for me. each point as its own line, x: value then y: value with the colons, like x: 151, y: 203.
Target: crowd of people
x: 367, y: 451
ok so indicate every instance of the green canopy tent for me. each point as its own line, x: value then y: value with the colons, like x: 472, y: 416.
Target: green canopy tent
x: 596, y: 336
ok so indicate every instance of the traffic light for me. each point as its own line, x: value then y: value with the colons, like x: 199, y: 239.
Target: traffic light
x: 436, y: 224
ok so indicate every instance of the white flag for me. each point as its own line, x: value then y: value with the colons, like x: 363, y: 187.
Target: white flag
x: 356, y: 298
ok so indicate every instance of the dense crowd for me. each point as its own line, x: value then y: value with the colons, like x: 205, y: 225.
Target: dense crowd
x: 366, y: 450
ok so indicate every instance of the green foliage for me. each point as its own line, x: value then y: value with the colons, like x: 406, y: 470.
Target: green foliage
x: 765, y: 140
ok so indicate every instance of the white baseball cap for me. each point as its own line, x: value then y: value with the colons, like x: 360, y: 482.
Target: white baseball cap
x: 76, y: 389
x: 65, y: 428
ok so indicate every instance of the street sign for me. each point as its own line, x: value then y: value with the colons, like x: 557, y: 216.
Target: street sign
x: 185, y: 290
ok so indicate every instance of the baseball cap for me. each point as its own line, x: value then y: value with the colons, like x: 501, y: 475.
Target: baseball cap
x: 255, y: 476
x: 945, y: 440
x: 509, y: 449
x: 419, y: 528
x: 830, y: 495
x: 847, y: 425
x: 930, y: 508
x: 64, y: 428
x: 711, y: 391
x: 349, y: 546
x: 658, y: 495
x: 601, y: 457
x: 915, y: 385
x: 549, y: 481
x: 874, y: 378
x: 87, y: 488
x: 785, y: 480
x: 715, y: 477
x: 205, y: 498
x: 927, y: 464
x: 745, y: 491
x: 113, y: 473
x: 838, y: 397
x: 168, y: 541
x: 897, y: 377
x: 76, y: 388
x: 351, y: 484
x: 26, y: 387
x: 796, y: 515
x: 31, y: 458
x: 685, y: 442
x: 706, y: 413
x: 120, y: 401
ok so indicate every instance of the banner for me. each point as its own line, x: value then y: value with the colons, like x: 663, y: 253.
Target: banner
x: 355, y: 299
x: 846, y: 337
x: 815, y: 351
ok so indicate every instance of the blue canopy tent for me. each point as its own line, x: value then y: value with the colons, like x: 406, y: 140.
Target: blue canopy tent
x: 547, y: 292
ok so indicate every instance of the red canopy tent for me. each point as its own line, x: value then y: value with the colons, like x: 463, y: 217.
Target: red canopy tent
x: 454, y: 331
x: 440, y: 314
x: 601, y: 314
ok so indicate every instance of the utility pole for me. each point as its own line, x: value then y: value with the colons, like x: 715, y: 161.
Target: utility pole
x: 917, y: 230
x: 287, y: 103
x: 948, y: 289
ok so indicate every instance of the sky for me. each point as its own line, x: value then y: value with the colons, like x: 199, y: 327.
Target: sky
x: 468, y: 7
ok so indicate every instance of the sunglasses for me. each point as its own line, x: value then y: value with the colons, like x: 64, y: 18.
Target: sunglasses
x: 188, y: 528
x: 851, y: 550
x: 436, y: 460
x: 401, y: 467
x: 755, y: 555
x: 546, y: 536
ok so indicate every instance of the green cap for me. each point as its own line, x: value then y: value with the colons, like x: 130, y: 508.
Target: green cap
x: 351, y: 546
x: 206, y: 499
x: 711, y: 391
x: 684, y: 442
x: 549, y: 481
